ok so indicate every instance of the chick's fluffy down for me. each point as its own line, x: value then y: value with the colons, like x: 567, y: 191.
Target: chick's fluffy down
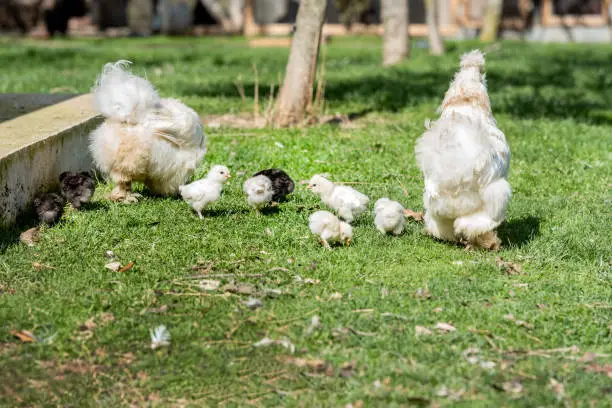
x: 258, y: 190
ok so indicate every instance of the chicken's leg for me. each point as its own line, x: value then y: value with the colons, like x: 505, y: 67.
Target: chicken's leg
x: 122, y: 193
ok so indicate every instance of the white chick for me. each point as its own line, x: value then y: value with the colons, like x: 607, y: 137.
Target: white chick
x: 259, y: 191
x: 465, y: 159
x: 202, y: 192
x: 346, y: 201
x: 389, y: 216
x: 330, y: 229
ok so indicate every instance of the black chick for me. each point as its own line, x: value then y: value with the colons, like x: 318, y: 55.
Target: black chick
x: 49, y: 207
x: 77, y: 188
x: 282, y: 185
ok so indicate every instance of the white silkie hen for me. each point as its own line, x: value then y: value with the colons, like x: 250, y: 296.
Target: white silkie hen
x: 259, y: 191
x: 330, y: 229
x: 202, y: 192
x: 346, y: 201
x: 157, y: 141
x: 389, y: 216
x: 465, y: 160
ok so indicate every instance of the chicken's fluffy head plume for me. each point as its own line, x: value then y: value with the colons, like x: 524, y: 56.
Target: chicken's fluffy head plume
x: 122, y: 96
x: 469, y: 87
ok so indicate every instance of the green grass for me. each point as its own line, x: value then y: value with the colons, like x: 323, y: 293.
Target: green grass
x: 553, y: 102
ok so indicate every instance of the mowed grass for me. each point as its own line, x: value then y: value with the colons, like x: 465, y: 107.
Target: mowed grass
x: 538, y: 338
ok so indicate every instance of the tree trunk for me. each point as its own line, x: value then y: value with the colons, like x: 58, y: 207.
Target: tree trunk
x: 296, y: 93
x: 436, y: 46
x: 249, y: 26
x: 215, y: 9
x: 491, y: 21
x: 395, y: 37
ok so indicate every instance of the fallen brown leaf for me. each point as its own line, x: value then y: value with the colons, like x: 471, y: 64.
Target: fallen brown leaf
x: 445, y: 327
x: 31, y: 237
x: 161, y: 309
x: 127, y: 267
x: 512, y: 387
x: 558, y: 388
x: 348, y: 369
x: 422, y: 331
x: 509, y: 268
x: 312, y: 364
x: 209, y: 284
x: 596, y: 368
x: 24, y: 335
x: 90, y: 324
x: 335, y: 296
x: 417, y: 216
x: 522, y: 323
x: 240, y: 289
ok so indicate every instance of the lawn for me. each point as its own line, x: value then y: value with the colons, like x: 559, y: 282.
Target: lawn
x: 536, y: 331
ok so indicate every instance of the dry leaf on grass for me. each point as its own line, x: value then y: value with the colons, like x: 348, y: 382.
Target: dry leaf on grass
x: 314, y: 365
x: 558, y: 388
x: 113, y: 266
x: 512, y: 387
x: 596, y: 368
x: 417, y: 216
x: 24, y: 335
x: 422, y: 331
x: 509, y: 268
x: 522, y: 323
x: 127, y: 267
x: 239, y: 289
x: 161, y: 309
x: 209, y: 284
x: 335, y: 296
x: 284, y: 342
x: 348, y: 369
x: 39, y: 266
x: 30, y: 237
x: 445, y: 327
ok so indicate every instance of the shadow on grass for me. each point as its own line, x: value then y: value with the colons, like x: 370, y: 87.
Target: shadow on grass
x: 519, y: 232
x: 9, y: 236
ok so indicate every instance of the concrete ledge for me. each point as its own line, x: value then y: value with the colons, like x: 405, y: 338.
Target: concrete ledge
x: 36, y: 147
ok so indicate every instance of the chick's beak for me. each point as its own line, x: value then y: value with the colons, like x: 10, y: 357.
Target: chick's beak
x: 228, y: 176
x: 309, y: 187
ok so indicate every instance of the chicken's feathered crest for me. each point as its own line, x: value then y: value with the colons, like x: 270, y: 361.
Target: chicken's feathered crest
x: 122, y: 96
x: 469, y: 86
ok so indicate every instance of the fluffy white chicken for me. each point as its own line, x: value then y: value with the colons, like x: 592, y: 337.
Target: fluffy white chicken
x: 202, y: 192
x: 346, y: 201
x: 465, y: 160
x: 259, y: 191
x: 389, y: 216
x: 330, y: 229
x: 144, y: 138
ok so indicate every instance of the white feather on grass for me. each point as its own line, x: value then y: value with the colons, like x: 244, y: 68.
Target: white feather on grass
x: 160, y: 337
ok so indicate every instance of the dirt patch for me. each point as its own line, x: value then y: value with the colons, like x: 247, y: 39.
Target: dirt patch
x: 250, y: 121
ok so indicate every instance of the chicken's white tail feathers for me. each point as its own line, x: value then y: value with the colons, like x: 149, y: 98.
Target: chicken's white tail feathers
x: 122, y: 96
x: 473, y: 59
